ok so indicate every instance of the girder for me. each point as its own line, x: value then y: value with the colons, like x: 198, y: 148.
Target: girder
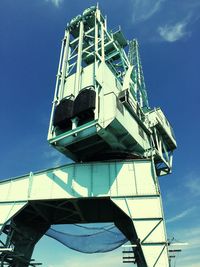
x: 115, y: 191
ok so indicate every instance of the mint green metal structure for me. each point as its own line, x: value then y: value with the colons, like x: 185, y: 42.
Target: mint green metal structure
x: 118, y: 191
x: 102, y: 120
x: 121, y: 119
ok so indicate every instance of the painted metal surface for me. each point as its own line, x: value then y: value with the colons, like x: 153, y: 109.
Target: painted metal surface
x: 119, y: 178
x: 125, y: 184
x: 8, y: 210
x: 121, y: 120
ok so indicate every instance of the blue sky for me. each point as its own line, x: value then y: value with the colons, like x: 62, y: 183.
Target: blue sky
x: 169, y: 35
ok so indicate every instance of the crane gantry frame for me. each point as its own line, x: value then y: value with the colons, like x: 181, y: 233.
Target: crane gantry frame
x: 102, y: 120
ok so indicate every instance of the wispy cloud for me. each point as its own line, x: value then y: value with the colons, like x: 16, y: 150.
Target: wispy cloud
x: 193, y: 184
x: 55, y: 2
x: 191, y: 236
x: 97, y: 260
x: 180, y: 215
x: 54, y: 158
x: 189, y: 256
x: 193, y: 265
x: 172, y: 33
x: 167, y: 20
x: 143, y: 9
x: 190, y: 260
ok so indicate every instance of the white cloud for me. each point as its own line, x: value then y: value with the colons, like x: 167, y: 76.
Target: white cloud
x: 180, y: 215
x: 189, y: 260
x: 193, y: 184
x: 54, y: 158
x: 55, y: 2
x: 190, y: 235
x: 145, y: 9
x: 172, y: 33
x: 189, y: 256
x: 167, y: 20
x: 97, y: 260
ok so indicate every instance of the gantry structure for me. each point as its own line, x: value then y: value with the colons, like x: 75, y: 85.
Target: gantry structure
x: 101, y: 119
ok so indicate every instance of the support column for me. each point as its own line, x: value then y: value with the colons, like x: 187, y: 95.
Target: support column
x: 146, y: 229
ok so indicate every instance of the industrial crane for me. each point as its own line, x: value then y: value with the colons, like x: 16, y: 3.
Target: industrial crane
x: 102, y: 120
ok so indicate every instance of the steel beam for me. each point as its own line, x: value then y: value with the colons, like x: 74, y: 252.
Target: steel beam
x: 120, y: 192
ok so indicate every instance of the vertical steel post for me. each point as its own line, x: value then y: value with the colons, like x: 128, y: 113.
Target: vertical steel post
x: 97, y: 87
x: 79, y: 60
x: 139, y: 80
x: 64, y: 64
x: 56, y: 86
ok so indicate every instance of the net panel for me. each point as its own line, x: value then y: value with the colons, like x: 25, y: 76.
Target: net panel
x: 90, y: 238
